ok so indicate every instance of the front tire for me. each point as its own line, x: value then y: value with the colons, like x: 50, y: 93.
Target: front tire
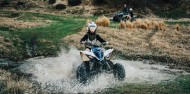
x: 119, y: 71
x: 81, y: 73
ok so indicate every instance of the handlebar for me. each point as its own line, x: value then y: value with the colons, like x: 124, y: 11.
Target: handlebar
x: 95, y: 45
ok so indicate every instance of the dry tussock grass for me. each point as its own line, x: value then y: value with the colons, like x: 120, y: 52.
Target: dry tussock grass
x: 20, y: 85
x: 129, y: 25
x: 177, y: 27
x: 159, y: 44
x: 122, y: 24
x: 10, y: 22
x: 137, y: 23
x: 162, y: 26
x: 148, y: 23
x: 103, y: 21
x: 145, y: 24
x: 13, y: 85
x: 170, y: 42
x: 99, y: 21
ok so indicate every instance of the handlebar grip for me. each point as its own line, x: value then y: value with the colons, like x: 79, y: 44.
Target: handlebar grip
x: 104, y: 43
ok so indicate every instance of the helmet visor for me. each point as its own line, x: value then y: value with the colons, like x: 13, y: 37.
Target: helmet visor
x: 92, y: 29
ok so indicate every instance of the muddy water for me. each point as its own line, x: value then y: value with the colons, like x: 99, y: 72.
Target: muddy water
x: 58, y: 74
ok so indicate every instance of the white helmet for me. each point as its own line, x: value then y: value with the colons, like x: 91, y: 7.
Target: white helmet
x: 91, y: 27
x: 130, y: 9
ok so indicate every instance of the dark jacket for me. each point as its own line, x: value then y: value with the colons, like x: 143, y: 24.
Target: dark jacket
x: 91, y: 37
x: 125, y: 10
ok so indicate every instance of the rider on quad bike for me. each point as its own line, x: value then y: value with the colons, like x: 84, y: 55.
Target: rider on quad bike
x: 91, y: 37
x: 125, y: 14
x: 125, y: 9
x: 96, y: 59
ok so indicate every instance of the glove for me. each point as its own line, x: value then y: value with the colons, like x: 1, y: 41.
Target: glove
x: 82, y: 42
x: 104, y: 43
x: 107, y: 43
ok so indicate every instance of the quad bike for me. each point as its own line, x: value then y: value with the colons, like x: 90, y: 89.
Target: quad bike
x: 120, y: 16
x: 99, y: 62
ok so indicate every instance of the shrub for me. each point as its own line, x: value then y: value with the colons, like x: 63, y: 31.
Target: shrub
x: 74, y: 2
x: 60, y: 6
x: 51, y: 1
x: 98, y: 2
x: 3, y: 3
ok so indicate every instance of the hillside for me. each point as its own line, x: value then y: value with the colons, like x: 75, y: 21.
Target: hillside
x: 162, y: 8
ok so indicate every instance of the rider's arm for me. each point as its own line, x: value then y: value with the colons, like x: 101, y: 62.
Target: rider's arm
x: 100, y: 39
x: 85, y: 37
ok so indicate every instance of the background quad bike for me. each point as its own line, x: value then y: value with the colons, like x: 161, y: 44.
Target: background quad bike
x: 120, y: 16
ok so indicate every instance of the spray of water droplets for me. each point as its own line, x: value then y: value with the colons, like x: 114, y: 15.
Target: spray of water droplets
x: 58, y: 74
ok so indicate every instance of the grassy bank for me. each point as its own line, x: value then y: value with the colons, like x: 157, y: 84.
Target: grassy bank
x: 35, y: 34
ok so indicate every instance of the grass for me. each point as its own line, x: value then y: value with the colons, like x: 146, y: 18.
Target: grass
x: 4, y: 29
x: 175, y: 13
x: 114, y: 24
x: 45, y: 37
x: 178, y: 86
x: 186, y: 23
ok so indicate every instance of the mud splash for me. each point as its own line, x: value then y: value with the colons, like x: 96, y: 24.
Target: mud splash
x: 58, y: 74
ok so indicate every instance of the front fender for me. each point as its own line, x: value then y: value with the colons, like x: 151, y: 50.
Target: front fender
x: 87, y: 53
x: 107, y: 52
x: 84, y: 55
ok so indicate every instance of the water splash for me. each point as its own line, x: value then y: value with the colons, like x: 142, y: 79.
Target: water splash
x: 58, y: 74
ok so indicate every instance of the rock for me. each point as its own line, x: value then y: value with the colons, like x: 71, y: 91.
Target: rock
x: 74, y: 2
x: 21, y: 5
x: 30, y: 5
x: 60, y: 6
x: 51, y: 1
x: 98, y: 1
